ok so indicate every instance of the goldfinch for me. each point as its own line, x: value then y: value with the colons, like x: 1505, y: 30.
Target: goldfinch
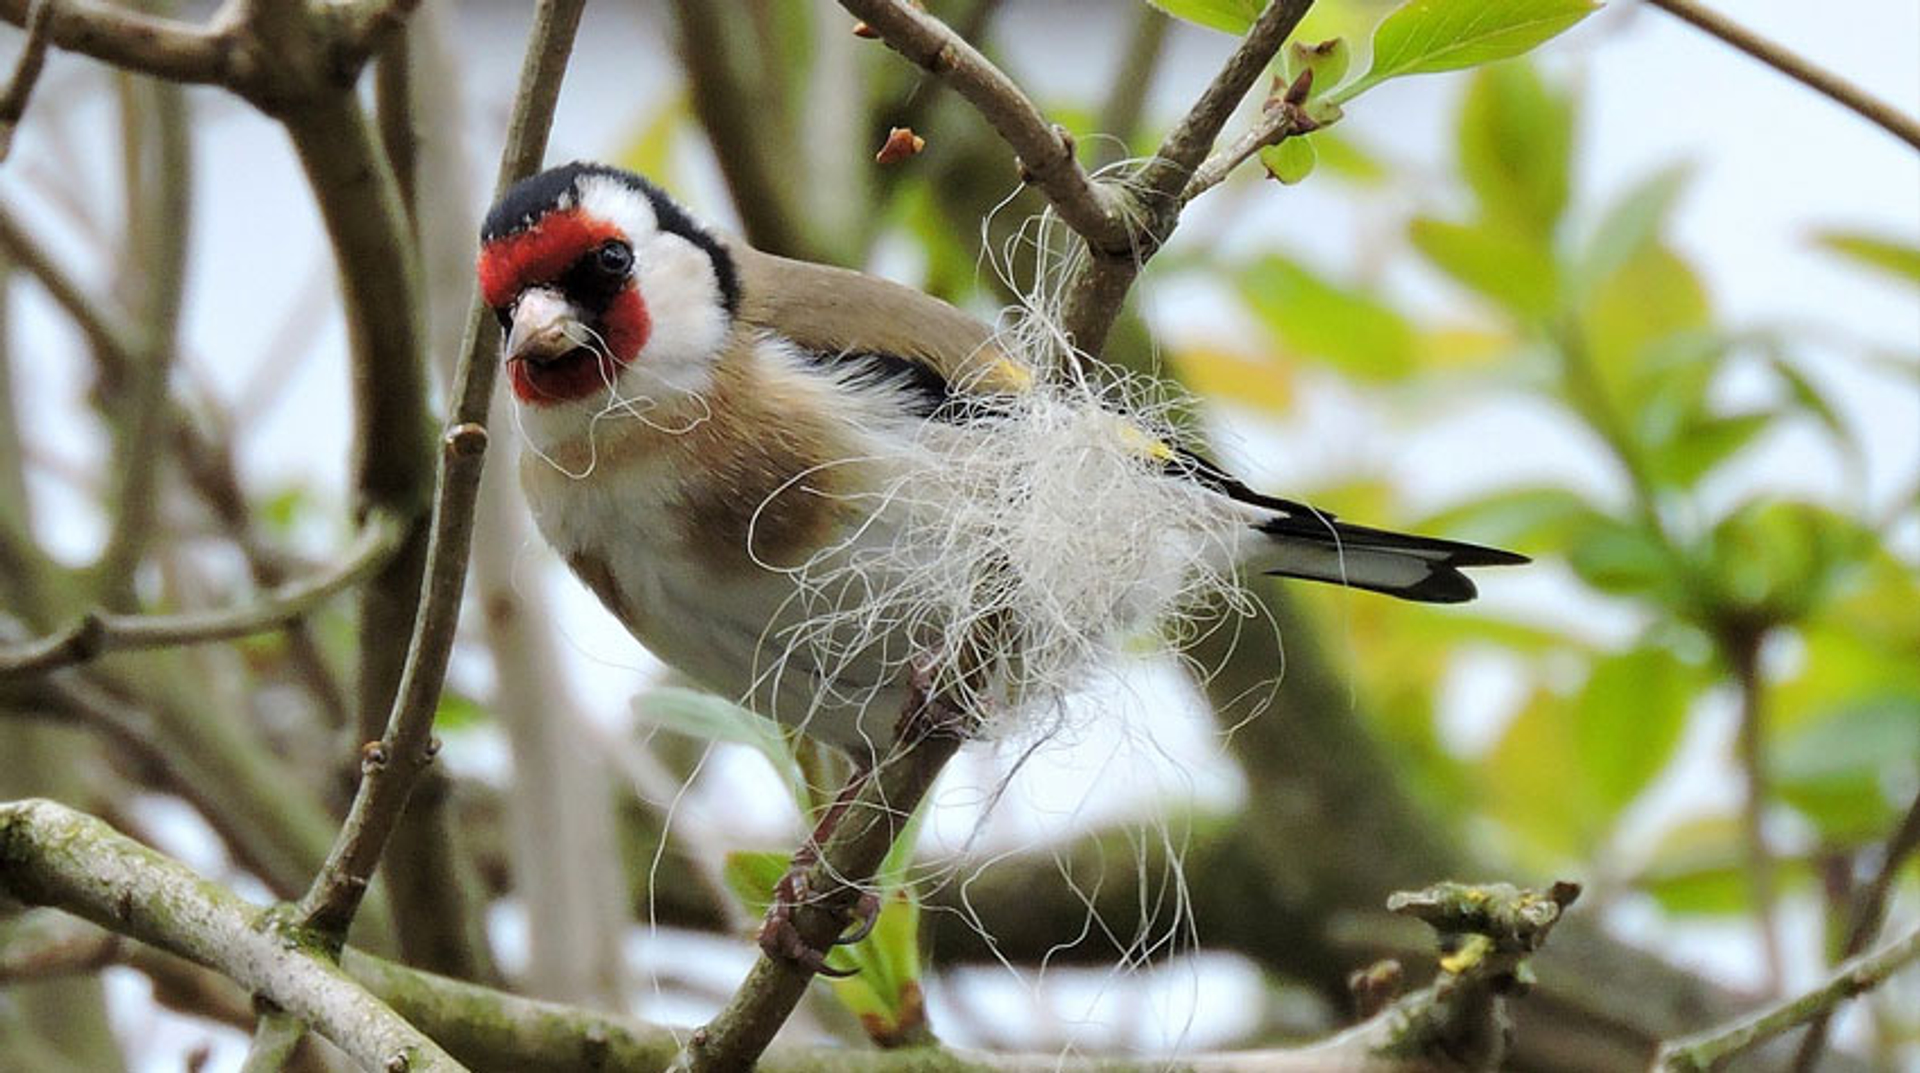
x: 725, y: 445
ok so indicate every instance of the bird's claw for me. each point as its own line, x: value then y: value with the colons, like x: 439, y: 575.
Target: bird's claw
x: 779, y: 938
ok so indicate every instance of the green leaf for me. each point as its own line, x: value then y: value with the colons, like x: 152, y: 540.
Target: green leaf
x: 1634, y: 222
x: 1614, y: 556
x: 1328, y: 61
x: 1697, y: 867
x: 1652, y: 298
x: 1531, y: 779
x: 1427, y: 36
x: 1781, y: 558
x: 1895, y: 257
x: 1627, y: 721
x: 752, y: 874
x: 1290, y: 161
x: 1834, y: 771
x: 1348, y: 159
x: 1513, y: 271
x: 1351, y: 331
x: 703, y: 715
x: 1231, y: 16
x: 1515, y: 143
x: 1810, y: 399
x: 1704, y: 443
x: 1522, y: 518
x: 457, y: 711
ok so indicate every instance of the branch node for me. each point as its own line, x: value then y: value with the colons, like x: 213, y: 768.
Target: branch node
x: 466, y: 440
x: 373, y: 757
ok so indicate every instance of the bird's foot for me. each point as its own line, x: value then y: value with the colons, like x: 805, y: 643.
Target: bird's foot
x: 781, y: 938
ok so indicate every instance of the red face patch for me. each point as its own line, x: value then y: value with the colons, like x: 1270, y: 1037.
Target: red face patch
x: 539, y: 255
x: 511, y: 264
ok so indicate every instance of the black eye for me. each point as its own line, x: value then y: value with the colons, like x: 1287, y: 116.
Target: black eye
x: 504, y: 314
x: 614, y: 258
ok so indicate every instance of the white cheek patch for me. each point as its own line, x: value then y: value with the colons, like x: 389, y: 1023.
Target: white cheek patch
x: 682, y: 293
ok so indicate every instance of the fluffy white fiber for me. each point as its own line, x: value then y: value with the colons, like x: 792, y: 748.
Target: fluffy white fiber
x: 1019, y: 549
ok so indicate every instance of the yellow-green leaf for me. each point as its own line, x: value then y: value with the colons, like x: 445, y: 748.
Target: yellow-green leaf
x: 1349, y: 330
x: 1229, y: 16
x: 1515, y: 142
x: 1894, y: 257
x: 1514, y: 271
x: 1237, y: 378
x: 1290, y: 161
x: 1427, y: 36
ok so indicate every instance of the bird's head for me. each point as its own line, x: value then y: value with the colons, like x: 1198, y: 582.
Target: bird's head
x: 607, y: 291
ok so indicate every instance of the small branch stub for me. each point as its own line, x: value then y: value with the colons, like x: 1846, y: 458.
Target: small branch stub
x: 901, y: 143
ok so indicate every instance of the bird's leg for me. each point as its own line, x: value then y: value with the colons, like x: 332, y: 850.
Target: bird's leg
x: 928, y: 714
x: 778, y: 937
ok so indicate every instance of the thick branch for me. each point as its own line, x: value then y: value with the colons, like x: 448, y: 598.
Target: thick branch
x: 1045, y: 149
x: 1797, y: 67
x: 1697, y: 1054
x: 26, y: 71
x: 52, y: 855
x: 164, y: 48
x: 98, y: 633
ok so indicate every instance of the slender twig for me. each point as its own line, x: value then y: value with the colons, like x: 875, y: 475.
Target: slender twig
x: 164, y: 48
x: 26, y: 72
x: 1126, y: 102
x: 1093, y: 294
x: 1797, y: 67
x: 1707, y: 1050
x: 46, y: 944
x: 53, y: 855
x: 99, y: 632
x: 1278, y: 122
x: 109, y: 333
x: 392, y: 766
x: 1045, y: 149
x: 1870, y: 913
x: 1741, y: 647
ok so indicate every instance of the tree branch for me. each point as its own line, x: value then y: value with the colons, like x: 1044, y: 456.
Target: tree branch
x: 163, y: 48
x: 98, y: 632
x: 1279, y: 121
x: 391, y: 767
x: 1092, y: 296
x: 1703, y: 1052
x: 26, y: 72
x: 55, y: 856
x: 1045, y: 149
x: 737, y: 1036
x: 1797, y: 67
x: 1868, y: 917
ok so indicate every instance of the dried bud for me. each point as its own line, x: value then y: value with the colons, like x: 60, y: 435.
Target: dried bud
x: 901, y: 143
x: 861, y: 29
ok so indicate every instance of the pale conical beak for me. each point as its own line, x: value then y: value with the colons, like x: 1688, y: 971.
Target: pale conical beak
x: 545, y: 326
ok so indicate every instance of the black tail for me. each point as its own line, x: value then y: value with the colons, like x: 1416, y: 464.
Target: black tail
x: 1318, y: 548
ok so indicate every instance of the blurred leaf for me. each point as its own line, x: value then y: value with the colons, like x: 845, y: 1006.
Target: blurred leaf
x: 1811, y: 400
x: 1351, y: 331
x: 1782, y: 558
x: 1458, y: 346
x: 703, y: 715
x: 1348, y: 159
x: 752, y: 874
x: 1833, y: 771
x: 1290, y: 161
x: 1618, y: 557
x: 1528, y: 519
x: 1698, y: 867
x: 1844, y: 660
x: 457, y: 711
x: 1236, y: 378
x: 1704, y: 443
x: 1516, y: 150
x: 1426, y: 36
x: 1514, y: 272
x: 282, y: 510
x: 1894, y: 257
x: 1631, y: 224
x: 1652, y: 298
x: 1533, y: 783
x: 1231, y: 16
x: 1627, y: 721
x: 650, y: 150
